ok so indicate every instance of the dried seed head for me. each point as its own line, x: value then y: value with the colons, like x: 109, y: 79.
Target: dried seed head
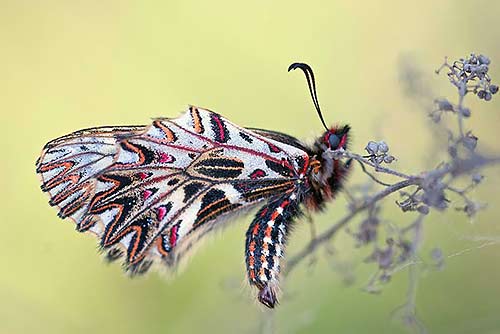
x: 383, y: 147
x: 389, y: 159
x: 385, y: 258
x: 423, y: 209
x: 483, y: 59
x: 477, y: 178
x: 372, y: 147
x: 444, y: 104
x: 482, y: 69
x: 465, y: 112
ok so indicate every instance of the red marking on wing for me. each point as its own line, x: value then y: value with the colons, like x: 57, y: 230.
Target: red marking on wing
x: 146, y: 194
x: 66, y: 164
x: 258, y: 173
x: 142, y: 175
x: 160, y: 213
x: 173, y: 236
x: 274, y: 148
x: 221, y: 127
x: 164, y: 157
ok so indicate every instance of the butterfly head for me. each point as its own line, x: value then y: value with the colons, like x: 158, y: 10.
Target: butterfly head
x: 327, y: 172
x: 336, y: 138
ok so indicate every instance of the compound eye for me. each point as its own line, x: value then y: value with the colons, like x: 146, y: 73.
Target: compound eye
x: 334, y: 141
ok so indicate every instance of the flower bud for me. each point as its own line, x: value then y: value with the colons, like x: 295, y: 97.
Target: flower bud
x: 483, y: 59
x: 383, y: 147
x: 372, y: 147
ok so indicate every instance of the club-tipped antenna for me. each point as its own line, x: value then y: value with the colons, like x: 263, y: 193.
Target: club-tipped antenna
x: 308, y: 72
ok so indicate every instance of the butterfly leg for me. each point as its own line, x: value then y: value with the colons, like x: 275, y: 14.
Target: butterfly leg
x: 265, y: 245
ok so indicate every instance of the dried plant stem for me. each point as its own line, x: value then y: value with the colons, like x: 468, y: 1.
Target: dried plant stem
x: 328, y: 234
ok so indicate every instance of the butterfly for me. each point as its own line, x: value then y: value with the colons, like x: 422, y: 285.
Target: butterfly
x: 150, y: 193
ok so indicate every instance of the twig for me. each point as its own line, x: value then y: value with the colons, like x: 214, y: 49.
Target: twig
x: 372, y: 176
x: 329, y: 233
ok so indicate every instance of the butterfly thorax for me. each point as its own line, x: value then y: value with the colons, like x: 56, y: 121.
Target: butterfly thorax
x: 326, y: 173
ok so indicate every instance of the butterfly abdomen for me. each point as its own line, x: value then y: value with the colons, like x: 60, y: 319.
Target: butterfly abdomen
x: 265, y: 244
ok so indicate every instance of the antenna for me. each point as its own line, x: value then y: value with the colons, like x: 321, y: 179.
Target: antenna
x: 308, y: 72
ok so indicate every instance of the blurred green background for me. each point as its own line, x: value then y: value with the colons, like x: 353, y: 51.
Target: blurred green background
x: 66, y: 65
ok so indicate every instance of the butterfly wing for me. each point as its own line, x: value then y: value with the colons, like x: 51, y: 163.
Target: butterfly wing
x: 151, y: 192
x: 280, y: 137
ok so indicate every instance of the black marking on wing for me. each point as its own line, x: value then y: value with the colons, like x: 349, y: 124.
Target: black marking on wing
x: 191, y: 189
x: 281, y: 169
x: 220, y: 168
x: 246, y: 137
x: 213, y: 204
x: 125, y: 205
x: 172, y: 182
x: 219, y: 128
x: 273, y: 148
x: 262, y: 188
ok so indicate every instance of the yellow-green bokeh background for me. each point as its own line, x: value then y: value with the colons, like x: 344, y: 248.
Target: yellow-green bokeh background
x: 66, y: 65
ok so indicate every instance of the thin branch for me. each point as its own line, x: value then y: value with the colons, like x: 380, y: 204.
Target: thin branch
x: 372, y: 176
x: 328, y: 234
x: 377, y: 167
